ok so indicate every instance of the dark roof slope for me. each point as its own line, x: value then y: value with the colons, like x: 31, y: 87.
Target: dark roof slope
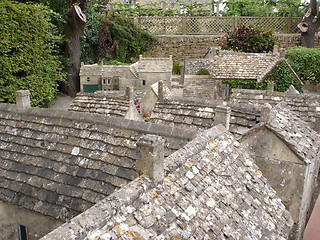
x: 198, y: 114
x: 110, y: 103
x: 212, y: 190
x: 60, y: 163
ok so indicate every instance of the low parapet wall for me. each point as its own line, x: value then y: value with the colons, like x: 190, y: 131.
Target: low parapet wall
x: 307, y: 106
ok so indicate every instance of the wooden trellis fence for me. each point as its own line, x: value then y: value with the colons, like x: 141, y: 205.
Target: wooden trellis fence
x: 215, y: 25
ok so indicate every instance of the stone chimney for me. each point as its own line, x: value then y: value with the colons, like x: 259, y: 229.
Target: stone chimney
x: 150, y: 157
x: 23, y: 99
x: 160, y: 90
x: 129, y: 94
x: 266, y: 113
x: 222, y: 115
x: 270, y: 88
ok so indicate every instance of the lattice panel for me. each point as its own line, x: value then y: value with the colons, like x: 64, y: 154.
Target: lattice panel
x: 219, y: 25
x: 277, y: 25
x: 161, y: 25
x: 215, y: 25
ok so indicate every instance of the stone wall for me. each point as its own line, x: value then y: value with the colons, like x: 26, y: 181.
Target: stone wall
x: 196, y: 86
x: 196, y: 46
x: 38, y: 225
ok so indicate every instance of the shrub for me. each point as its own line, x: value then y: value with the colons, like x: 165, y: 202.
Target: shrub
x: 305, y: 62
x: 28, y: 59
x: 203, y: 71
x: 248, y: 39
x: 176, y: 68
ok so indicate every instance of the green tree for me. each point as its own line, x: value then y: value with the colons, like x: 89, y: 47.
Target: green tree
x: 28, y: 55
x: 263, y: 8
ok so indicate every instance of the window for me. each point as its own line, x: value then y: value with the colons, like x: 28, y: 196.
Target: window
x: 22, y: 232
x: 143, y: 83
x: 109, y: 81
x: 104, y: 81
x: 88, y: 79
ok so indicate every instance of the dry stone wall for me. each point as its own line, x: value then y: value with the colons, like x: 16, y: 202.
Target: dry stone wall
x: 196, y: 46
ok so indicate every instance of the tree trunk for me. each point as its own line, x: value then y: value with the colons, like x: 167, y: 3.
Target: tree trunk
x: 73, y: 30
x: 309, y: 25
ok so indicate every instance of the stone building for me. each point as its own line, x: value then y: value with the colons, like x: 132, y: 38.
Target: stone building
x: 140, y: 75
x: 228, y: 65
x: 210, y: 189
x: 61, y: 164
x: 287, y: 152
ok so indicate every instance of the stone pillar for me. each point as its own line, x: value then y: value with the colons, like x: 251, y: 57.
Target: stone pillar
x: 282, y: 53
x: 150, y: 157
x: 140, y: 57
x: 266, y: 113
x: 23, y: 99
x: 270, y: 88
x: 129, y: 94
x: 222, y: 115
x: 160, y: 90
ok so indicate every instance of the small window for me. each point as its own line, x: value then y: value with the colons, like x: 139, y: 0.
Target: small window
x: 104, y: 81
x: 88, y: 79
x: 143, y: 82
x: 109, y: 81
x: 22, y: 232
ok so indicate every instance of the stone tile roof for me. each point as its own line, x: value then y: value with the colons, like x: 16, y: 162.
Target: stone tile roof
x: 95, y: 70
x: 199, y: 114
x: 111, y: 103
x: 114, y: 70
x: 155, y: 65
x: 234, y: 65
x: 60, y: 163
x: 212, y: 190
x: 304, y: 141
x: 306, y: 106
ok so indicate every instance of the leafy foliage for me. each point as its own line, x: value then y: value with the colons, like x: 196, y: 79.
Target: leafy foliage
x: 176, y: 68
x: 119, y: 33
x: 203, y: 71
x: 281, y: 75
x: 283, y: 78
x: 248, y: 39
x: 305, y: 62
x: 162, y: 8
x: 28, y: 56
x: 279, y: 8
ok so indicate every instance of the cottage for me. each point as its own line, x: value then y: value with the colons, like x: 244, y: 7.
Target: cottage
x: 140, y: 75
x: 287, y: 151
x: 228, y: 65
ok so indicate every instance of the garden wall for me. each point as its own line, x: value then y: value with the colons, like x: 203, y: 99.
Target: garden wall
x: 196, y: 46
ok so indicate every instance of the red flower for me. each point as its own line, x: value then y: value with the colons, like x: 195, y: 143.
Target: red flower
x: 145, y: 115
